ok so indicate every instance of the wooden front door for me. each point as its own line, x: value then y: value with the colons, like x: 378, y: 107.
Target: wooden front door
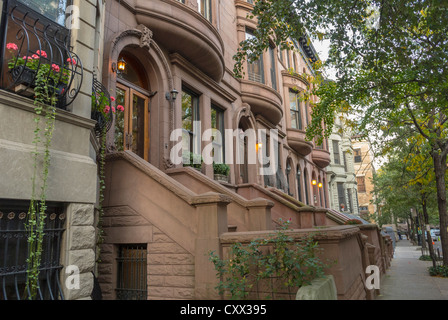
x: 132, y: 125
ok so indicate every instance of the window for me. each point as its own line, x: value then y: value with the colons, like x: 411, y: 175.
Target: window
x: 345, y: 160
x: 358, y: 157
x: 218, y: 141
x: 190, y: 115
x: 273, y: 70
x: 305, y: 177
x: 255, y: 69
x: 52, y: 9
x: 132, y: 272
x: 341, y: 196
x: 337, y: 159
x: 294, y: 106
x: 299, y: 183
x: 13, y: 248
x: 361, y: 184
x: 205, y: 8
x: 350, y: 200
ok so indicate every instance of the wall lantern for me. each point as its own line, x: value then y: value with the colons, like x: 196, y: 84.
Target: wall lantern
x: 320, y: 185
x: 288, y: 169
x: 313, y: 182
x: 258, y: 146
x: 119, y: 66
x: 172, y: 96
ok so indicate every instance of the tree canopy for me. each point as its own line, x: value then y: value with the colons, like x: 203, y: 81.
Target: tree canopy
x: 391, y: 62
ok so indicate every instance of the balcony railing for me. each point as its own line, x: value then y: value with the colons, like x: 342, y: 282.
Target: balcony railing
x: 32, y: 44
x: 100, y: 98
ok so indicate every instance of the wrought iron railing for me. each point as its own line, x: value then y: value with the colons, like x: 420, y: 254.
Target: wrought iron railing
x: 101, y: 98
x: 14, y: 251
x: 132, y: 273
x: 33, y: 44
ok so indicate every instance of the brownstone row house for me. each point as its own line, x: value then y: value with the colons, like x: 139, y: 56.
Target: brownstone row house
x: 168, y: 66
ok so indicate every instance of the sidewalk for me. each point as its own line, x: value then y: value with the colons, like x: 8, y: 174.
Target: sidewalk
x: 408, y: 279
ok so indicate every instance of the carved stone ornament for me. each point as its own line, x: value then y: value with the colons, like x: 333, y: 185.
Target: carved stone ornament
x: 168, y: 164
x: 245, y: 110
x: 146, y: 37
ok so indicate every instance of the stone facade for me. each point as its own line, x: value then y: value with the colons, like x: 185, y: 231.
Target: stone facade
x: 72, y: 179
x: 365, y: 170
x: 341, y: 171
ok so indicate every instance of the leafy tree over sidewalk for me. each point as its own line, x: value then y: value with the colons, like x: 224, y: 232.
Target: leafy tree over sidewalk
x: 391, y: 62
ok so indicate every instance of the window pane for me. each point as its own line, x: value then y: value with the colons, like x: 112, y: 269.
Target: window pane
x: 255, y: 69
x: 119, y: 120
x: 337, y: 159
x: 218, y: 134
x: 52, y: 9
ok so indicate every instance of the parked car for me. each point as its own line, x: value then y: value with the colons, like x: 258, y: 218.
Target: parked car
x: 435, y: 233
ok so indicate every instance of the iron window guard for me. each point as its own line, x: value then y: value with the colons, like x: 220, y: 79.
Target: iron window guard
x: 100, y: 99
x: 31, y: 42
x: 14, y: 249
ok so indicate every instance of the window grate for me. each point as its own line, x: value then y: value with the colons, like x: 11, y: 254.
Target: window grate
x: 14, y: 248
x: 132, y: 272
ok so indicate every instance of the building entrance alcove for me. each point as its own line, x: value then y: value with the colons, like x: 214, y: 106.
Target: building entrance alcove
x: 132, y: 125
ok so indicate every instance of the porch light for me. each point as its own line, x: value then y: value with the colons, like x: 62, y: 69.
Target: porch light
x: 172, y: 96
x: 121, y: 65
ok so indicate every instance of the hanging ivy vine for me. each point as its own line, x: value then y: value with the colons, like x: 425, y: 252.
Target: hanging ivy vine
x: 44, y: 106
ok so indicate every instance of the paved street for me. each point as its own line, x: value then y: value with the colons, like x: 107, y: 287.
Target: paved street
x: 408, y: 278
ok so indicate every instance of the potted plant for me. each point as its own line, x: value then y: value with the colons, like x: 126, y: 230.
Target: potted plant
x: 221, y: 171
x: 193, y: 160
x: 25, y: 70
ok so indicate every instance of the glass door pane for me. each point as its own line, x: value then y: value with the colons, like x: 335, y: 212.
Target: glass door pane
x: 120, y: 133
x: 138, y: 122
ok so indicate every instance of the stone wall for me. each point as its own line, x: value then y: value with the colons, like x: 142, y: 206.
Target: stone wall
x: 78, y: 249
x: 342, y: 248
x: 170, y: 268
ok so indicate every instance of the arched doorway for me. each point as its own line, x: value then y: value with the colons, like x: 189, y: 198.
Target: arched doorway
x: 132, y: 125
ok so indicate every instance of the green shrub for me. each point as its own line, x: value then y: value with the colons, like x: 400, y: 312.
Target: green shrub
x: 266, y: 267
x: 441, y: 271
x: 191, y: 159
x: 221, y: 168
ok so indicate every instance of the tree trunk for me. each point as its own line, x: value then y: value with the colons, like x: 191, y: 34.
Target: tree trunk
x: 440, y: 171
x: 422, y: 228
x: 428, y: 233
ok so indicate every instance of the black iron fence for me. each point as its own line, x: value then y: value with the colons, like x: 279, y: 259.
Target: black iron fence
x: 34, y: 47
x: 132, y: 273
x: 14, y: 252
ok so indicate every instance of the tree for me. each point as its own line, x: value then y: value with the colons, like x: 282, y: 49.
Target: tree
x: 391, y: 72
x: 406, y: 181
